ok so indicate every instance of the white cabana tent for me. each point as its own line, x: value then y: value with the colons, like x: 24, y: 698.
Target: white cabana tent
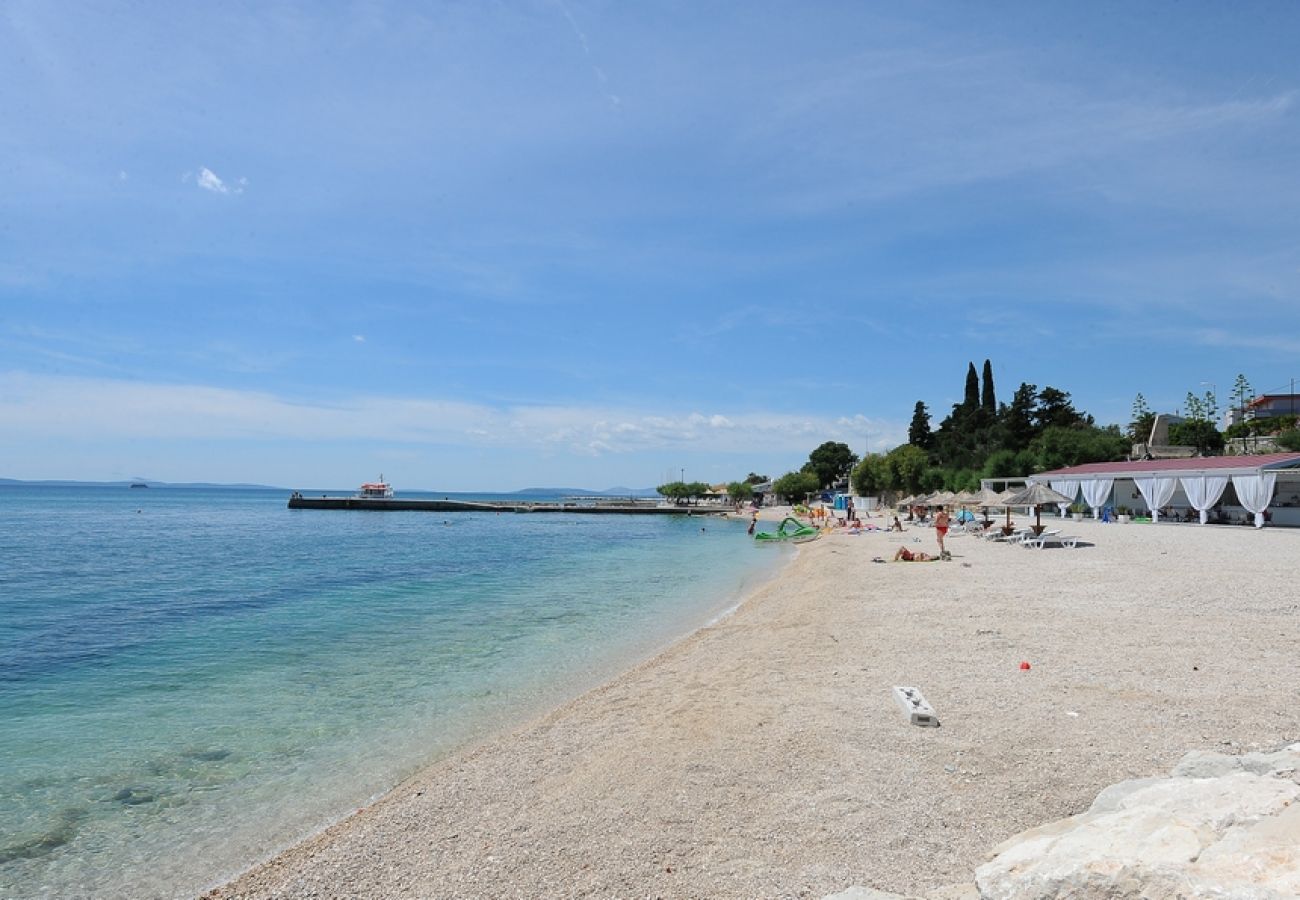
x: 1261, y: 482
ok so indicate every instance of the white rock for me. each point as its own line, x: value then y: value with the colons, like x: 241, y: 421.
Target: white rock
x: 1234, y: 835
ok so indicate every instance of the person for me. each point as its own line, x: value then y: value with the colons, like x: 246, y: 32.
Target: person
x: 905, y: 555
x: 941, y: 527
x: 897, y: 526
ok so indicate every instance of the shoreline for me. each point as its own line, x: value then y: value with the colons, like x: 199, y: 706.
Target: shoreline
x: 762, y: 754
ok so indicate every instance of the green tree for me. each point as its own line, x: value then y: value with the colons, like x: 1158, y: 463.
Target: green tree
x: 1198, y: 433
x: 1059, y: 447
x: 907, y: 466
x: 972, y: 398
x: 830, y: 462
x: 1055, y: 408
x: 988, y: 400
x: 1139, y: 428
x: 1001, y: 464
x: 796, y: 486
x: 740, y: 491
x: 1288, y: 440
x: 1017, y: 418
x: 1243, y: 393
x: 754, y: 478
x: 872, y: 476
x: 675, y: 491
x: 918, y: 433
x: 682, y: 491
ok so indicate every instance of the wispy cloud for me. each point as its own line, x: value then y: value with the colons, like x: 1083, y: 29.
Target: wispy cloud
x: 602, y: 81
x: 210, y: 181
x: 39, y: 406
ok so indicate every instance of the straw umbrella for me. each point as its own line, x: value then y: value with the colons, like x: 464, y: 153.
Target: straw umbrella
x: 984, y: 498
x: 1036, y: 495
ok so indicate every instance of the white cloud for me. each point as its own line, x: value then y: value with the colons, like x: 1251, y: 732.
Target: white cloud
x: 210, y: 181
x: 41, y: 407
x: 359, y: 338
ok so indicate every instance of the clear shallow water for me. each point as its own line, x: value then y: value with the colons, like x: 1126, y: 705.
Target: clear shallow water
x: 192, y: 679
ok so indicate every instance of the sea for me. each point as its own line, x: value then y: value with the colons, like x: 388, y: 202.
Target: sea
x: 193, y: 679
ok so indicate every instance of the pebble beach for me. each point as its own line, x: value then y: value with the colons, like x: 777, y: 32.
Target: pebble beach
x: 765, y: 755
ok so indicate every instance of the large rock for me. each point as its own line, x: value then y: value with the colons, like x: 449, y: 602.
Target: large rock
x: 1219, y: 827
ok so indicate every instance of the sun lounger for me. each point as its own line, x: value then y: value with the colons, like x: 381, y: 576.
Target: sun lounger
x: 1068, y: 541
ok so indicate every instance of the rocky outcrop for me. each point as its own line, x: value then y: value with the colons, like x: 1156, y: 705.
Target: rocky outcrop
x: 1218, y: 827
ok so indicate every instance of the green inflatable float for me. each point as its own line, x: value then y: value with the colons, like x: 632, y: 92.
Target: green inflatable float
x: 791, y: 530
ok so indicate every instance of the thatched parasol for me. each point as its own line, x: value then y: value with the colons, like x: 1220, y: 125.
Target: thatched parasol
x: 1036, y: 495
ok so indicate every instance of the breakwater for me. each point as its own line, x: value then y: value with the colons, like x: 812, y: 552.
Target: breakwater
x: 390, y: 504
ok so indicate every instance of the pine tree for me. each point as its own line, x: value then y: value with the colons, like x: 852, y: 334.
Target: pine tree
x: 988, y: 400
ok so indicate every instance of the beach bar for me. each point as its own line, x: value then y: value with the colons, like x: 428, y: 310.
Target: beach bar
x: 1260, y: 489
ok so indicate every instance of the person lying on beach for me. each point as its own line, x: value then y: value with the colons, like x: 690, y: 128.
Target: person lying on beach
x: 905, y: 555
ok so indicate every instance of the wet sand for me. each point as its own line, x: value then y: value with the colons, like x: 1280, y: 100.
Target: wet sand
x: 765, y: 756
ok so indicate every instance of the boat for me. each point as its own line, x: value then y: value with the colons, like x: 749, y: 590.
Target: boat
x: 139, y: 484
x: 375, y: 490
x: 790, y: 531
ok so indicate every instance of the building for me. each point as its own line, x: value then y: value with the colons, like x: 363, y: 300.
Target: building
x: 1257, y: 489
x: 1265, y: 406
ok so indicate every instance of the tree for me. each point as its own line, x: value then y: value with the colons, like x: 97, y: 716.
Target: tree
x: 740, y: 491
x: 674, y: 490
x: 1198, y: 433
x: 753, y: 478
x: 972, y: 399
x: 796, y: 486
x: 918, y: 433
x: 681, y: 491
x: 871, y: 477
x: 907, y: 466
x: 988, y: 400
x: 1139, y: 429
x: 1243, y: 393
x: 1055, y: 408
x: 1059, y: 447
x: 1017, y: 419
x: 830, y: 462
x: 1289, y: 440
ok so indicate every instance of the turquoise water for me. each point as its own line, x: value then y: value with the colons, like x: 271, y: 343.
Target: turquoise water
x: 192, y: 679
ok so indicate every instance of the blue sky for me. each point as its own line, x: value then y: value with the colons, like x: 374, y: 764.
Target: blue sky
x: 494, y: 245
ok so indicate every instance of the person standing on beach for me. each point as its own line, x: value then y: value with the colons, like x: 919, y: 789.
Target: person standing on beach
x: 941, y: 527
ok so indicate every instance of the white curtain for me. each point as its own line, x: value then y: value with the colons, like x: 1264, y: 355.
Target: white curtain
x: 1067, y: 486
x: 1095, y: 492
x: 1255, y: 493
x: 1157, y: 492
x: 1203, y: 491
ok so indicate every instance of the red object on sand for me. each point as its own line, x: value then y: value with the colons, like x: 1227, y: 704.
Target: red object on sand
x: 1024, y: 667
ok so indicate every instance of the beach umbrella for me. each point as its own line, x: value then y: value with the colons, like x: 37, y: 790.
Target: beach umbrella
x: 1036, y: 495
x: 941, y: 498
x: 984, y: 498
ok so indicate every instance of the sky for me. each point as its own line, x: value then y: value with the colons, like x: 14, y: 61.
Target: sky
x: 497, y: 245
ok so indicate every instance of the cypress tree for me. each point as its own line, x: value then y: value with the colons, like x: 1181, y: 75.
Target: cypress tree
x: 918, y: 433
x: 972, y: 401
x: 988, y: 400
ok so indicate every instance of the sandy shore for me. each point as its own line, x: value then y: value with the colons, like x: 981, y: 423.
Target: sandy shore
x: 765, y: 756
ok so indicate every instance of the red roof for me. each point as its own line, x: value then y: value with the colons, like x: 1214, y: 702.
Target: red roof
x: 1196, y: 464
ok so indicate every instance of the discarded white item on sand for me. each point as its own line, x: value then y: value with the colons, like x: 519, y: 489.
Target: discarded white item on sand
x: 915, y: 707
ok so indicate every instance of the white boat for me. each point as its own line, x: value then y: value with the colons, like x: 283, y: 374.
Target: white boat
x: 375, y: 490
